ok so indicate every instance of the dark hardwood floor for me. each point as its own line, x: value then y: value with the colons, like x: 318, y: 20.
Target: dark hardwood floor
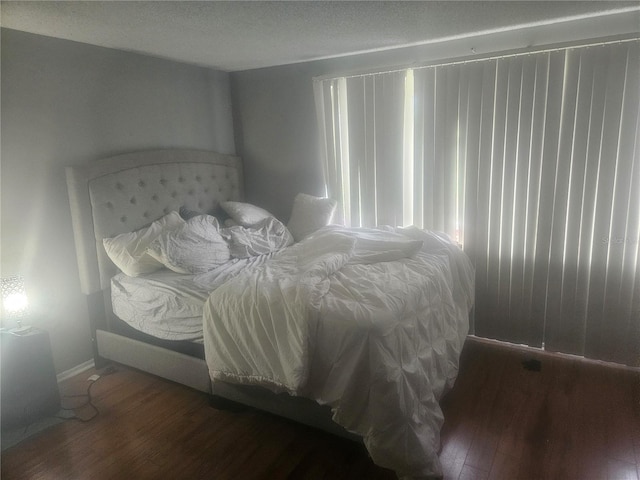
x: 569, y: 420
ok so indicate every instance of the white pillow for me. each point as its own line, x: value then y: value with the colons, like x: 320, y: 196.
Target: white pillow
x: 310, y: 213
x: 268, y: 236
x: 245, y: 214
x: 195, y: 247
x: 128, y: 250
x: 230, y: 222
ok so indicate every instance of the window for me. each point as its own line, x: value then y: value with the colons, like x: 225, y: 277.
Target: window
x: 530, y: 161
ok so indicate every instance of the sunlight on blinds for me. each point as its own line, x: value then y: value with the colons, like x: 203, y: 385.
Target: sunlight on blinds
x: 531, y: 162
x: 343, y: 134
x: 408, y: 200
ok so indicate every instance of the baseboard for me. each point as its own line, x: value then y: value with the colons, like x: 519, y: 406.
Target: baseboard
x: 83, y: 367
x: 540, y: 351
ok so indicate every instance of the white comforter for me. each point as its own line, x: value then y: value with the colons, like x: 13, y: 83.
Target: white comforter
x: 370, y: 322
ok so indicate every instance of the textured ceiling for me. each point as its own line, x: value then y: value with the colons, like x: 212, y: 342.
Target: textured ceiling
x: 240, y: 35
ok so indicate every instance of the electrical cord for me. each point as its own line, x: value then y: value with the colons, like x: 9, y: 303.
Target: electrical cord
x: 89, y: 400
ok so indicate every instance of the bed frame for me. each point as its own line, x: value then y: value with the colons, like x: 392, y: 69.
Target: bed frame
x: 126, y: 192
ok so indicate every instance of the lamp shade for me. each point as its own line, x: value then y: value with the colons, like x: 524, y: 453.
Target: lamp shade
x: 14, y: 297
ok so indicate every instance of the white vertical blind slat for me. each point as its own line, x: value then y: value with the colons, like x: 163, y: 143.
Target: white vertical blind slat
x: 518, y: 293
x: 450, y: 149
x: 507, y: 208
x: 588, y: 237
x: 357, y: 147
x: 494, y: 320
x: 630, y: 275
x: 344, y: 166
x: 534, y: 309
x: 543, y: 270
x: 368, y: 159
x: 569, y: 334
x: 419, y: 152
x: 408, y: 154
x: 563, y: 163
x: 481, y: 239
x: 465, y: 135
x: 472, y: 127
x: 429, y: 101
x: 626, y: 202
x: 327, y: 117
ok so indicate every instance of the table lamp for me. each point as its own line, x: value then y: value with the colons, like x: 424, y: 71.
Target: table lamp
x: 14, y: 302
x: 28, y: 383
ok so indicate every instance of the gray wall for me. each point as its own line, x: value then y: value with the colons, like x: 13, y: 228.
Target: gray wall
x: 275, y: 126
x: 68, y: 103
x: 274, y: 110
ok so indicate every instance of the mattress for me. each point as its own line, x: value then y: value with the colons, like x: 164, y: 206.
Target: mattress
x: 169, y: 305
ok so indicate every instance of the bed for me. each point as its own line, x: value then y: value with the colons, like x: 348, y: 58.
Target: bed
x: 355, y: 331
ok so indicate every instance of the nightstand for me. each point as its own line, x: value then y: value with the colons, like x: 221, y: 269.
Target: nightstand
x: 28, y: 378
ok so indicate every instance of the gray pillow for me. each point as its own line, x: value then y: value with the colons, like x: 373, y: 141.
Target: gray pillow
x: 310, y: 213
x: 195, y: 247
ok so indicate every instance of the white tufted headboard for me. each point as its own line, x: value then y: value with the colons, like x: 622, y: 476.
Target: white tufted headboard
x: 126, y: 192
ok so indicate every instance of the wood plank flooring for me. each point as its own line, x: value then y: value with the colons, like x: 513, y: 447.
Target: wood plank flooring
x: 569, y: 420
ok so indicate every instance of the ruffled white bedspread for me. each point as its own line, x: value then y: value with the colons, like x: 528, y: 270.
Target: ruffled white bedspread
x: 368, y: 321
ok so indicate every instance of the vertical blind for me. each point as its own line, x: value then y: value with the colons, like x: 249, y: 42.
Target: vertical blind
x: 530, y: 161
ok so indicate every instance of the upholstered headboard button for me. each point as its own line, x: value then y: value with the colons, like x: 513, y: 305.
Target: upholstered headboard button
x: 126, y: 192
